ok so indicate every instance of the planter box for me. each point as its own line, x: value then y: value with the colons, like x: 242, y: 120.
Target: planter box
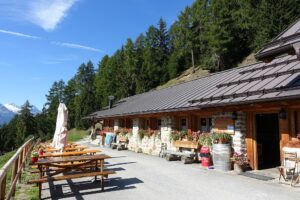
x: 186, y: 144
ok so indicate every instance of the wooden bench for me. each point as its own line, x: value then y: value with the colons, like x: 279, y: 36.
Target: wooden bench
x: 121, y: 144
x: 186, y: 151
x: 73, y: 176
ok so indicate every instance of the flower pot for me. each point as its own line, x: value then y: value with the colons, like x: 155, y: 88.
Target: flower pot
x: 41, y: 152
x: 34, y: 159
x: 238, y: 168
x: 205, y: 156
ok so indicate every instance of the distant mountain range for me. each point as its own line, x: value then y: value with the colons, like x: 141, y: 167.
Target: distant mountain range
x: 9, y: 110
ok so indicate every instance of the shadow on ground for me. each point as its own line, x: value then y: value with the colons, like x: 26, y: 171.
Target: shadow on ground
x: 80, y: 189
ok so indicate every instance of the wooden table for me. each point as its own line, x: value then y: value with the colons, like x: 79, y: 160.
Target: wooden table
x: 78, y: 148
x: 72, y: 170
x: 71, y: 153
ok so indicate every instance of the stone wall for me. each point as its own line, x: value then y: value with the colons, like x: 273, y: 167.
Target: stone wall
x: 152, y: 144
x: 167, y: 125
x: 133, y: 138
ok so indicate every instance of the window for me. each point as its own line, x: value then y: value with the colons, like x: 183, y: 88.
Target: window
x: 121, y: 123
x: 158, y: 124
x: 205, y: 125
x: 147, y: 124
x: 183, y: 124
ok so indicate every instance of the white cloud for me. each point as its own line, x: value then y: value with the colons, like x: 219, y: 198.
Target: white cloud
x: 18, y: 34
x: 48, y: 14
x: 77, y: 46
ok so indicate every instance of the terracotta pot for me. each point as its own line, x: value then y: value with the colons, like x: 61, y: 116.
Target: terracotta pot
x: 34, y: 159
x: 238, y: 168
x: 41, y: 152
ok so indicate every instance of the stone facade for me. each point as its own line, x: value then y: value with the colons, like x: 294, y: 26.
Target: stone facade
x: 152, y: 144
x: 167, y: 125
x: 133, y: 138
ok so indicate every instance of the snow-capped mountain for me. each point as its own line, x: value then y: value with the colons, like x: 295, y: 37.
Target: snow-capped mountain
x: 12, y: 107
x: 5, y: 115
x: 9, y: 110
x: 16, y: 109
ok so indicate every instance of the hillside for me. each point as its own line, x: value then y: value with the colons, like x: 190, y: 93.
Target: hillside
x: 187, y: 75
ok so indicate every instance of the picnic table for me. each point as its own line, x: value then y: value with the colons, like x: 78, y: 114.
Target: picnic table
x: 71, y: 167
x: 78, y: 148
x: 71, y: 153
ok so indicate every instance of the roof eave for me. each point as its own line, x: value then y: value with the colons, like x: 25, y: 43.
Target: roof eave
x: 268, y: 56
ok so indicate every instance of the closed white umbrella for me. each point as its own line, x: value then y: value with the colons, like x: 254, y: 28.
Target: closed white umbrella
x: 60, y: 135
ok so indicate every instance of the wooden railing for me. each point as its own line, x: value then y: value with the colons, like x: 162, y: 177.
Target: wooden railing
x: 16, y: 164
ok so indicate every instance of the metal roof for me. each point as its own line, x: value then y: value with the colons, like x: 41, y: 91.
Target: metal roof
x: 283, y: 43
x: 279, y: 79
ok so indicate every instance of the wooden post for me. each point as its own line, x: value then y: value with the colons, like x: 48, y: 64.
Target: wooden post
x: 2, y: 188
x: 13, y: 175
x: 20, y: 160
x: 102, y: 176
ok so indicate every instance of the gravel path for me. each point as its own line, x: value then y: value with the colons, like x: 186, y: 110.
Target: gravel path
x: 142, y: 177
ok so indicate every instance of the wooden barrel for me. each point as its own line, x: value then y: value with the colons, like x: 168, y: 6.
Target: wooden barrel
x: 221, y: 156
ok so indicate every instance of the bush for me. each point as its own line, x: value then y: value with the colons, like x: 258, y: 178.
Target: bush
x: 205, y: 139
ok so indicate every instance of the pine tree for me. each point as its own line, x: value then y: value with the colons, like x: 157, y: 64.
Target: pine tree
x: 54, y: 97
x: 85, y: 100
x: 272, y: 17
x: 69, y: 93
x: 26, y: 124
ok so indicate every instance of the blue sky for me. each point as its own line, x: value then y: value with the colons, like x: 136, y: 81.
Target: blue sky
x: 42, y: 41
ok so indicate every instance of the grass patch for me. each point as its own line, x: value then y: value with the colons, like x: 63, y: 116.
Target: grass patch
x: 76, y: 135
x: 4, y: 158
x: 27, y: 191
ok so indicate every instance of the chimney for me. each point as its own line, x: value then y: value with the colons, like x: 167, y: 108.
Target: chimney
x: 111, y: 99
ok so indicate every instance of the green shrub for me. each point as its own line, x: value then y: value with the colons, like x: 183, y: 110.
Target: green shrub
x: 205, y: 139
x: 221, y: 138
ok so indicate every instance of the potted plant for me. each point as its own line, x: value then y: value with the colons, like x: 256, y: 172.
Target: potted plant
x: 34, y: 156
x: 221, y: 152
x: 190, y: 137
x: 240, y: 162
x: 205, y: 139
x: 183, y: 134
x: 221, y: 138
x: 41, y: 150
x: 174, y: 136
x: 205, y: 142
x: 196, y: 135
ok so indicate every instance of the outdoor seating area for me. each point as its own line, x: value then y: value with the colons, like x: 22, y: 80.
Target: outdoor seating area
x: 67, y: 165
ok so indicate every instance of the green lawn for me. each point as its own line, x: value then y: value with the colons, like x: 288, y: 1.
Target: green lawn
x: 76, y: 135
x: 4, y: 158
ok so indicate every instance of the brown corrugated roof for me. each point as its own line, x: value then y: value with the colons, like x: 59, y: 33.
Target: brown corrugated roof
x: 281, y: 44
x: 259, y: 82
